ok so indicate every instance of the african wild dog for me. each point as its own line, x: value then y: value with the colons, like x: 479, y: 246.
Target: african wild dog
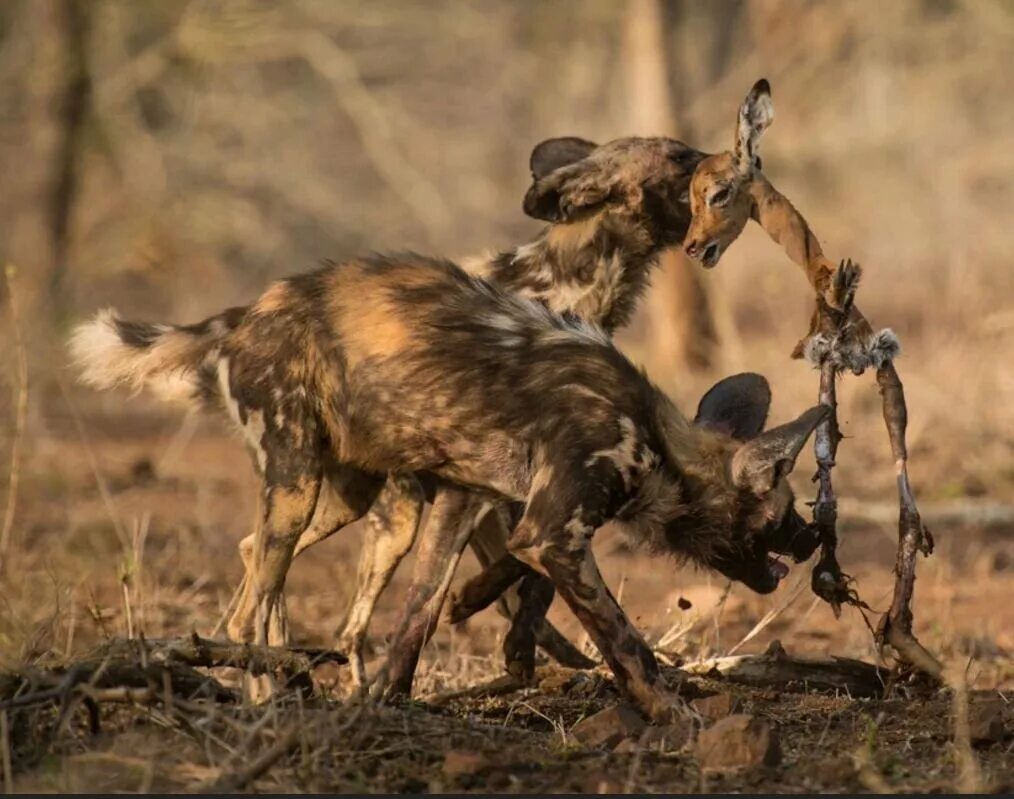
x: 444, y: 372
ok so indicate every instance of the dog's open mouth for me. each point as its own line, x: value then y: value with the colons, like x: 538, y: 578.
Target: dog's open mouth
x: 778, y: 569
x: 711, y: 254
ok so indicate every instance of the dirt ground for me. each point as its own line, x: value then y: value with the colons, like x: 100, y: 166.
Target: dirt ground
x: 131, y: 508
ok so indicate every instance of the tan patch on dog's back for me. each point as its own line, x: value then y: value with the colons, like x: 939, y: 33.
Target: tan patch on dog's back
x: 370, y: 322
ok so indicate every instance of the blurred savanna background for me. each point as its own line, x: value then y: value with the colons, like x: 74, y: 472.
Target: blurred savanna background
x: 171, y: 158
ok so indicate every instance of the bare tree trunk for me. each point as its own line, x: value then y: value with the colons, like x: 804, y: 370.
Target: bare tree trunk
x: 679, y: 325
x: 47, y: 42
x: 72, y: 24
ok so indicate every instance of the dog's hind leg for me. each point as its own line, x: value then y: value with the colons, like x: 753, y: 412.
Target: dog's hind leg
x: 451, y: 521
x: 391, y: 524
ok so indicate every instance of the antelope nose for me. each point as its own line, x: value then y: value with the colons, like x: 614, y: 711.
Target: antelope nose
x: 693, y: 248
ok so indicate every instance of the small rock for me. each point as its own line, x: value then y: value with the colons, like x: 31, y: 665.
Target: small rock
x: 602, y: 784
x: 738, y: 741
x: 1001, y: 561
x: 717, y: 706
x: 459, y: 763
x: 985, y: 721
x: 142, y: 471
x: 608, y: 727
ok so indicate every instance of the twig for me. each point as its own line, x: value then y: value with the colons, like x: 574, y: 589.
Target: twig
x: 284, y: 746
x: 776, y: 668
x: 769, y: 617
x: 195, y: 651
x: 21, y: 415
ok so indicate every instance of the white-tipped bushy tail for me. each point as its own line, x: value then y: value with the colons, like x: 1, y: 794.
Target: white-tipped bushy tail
x: 163, y: 359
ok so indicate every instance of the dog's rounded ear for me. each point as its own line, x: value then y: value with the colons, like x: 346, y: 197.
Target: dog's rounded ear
x: 563, y: 181
x: 737, y: 406
x: 555, y: 153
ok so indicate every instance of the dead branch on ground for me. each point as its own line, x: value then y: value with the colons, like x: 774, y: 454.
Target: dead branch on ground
x: 137, y: 670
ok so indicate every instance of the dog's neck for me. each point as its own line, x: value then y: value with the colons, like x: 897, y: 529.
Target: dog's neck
x: 595, y: 268
x: 683, y: 506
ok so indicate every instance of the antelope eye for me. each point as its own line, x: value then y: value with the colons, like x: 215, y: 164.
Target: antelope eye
x: 720, y: 197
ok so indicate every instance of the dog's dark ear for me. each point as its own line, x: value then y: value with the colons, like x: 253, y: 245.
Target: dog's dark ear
x: 564, y: 180
x: 555, y: 153
x: 737, y: 406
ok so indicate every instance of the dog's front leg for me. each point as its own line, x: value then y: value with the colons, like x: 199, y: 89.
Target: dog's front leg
x: 554, y: 538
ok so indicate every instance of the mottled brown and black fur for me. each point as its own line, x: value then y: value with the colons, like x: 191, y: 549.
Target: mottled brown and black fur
x: 445, y: 373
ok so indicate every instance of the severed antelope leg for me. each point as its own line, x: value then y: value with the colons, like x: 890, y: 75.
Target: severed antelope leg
x: 828, y: 581
x: 896, y: 627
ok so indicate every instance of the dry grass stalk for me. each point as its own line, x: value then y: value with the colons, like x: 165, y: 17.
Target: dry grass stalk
x: 969, y: 774
x: 21, y: 415
x: 5, y: 752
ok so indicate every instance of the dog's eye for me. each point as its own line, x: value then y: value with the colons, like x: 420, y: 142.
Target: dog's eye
x: 720, y: 197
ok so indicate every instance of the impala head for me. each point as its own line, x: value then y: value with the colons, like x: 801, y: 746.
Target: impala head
x: 636, y: 185
x: 720, y: 199
x: 745, y: 485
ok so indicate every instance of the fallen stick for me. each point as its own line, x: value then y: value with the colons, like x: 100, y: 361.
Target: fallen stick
x: 139, y: 670
x: 776, y: 669
x: 193, y: 650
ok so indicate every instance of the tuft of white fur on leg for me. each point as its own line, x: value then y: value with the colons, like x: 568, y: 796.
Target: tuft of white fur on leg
x: 857, y: 357
x: 883, y: 348
x: 165, y: 367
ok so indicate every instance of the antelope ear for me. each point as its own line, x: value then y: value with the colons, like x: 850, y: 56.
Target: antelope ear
x: 555, y: 153
x: 564, y: 180
x: 759, y: 464
x: 756, y: 113
x: 737, y: 406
